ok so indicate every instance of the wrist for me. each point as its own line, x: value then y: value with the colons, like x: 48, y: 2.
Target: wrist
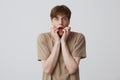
x: 57, y: 42
x: 63, y: 42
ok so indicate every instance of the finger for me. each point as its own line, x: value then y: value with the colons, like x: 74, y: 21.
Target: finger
x: 69, y: 28
x: 64, y: 30
x: 53, y: 29
x: 56, y: 31
x: 65, y: 27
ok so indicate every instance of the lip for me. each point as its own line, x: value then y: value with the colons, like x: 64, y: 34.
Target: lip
x: 60, y: 28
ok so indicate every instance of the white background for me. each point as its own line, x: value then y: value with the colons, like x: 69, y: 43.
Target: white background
x: 22, y: 20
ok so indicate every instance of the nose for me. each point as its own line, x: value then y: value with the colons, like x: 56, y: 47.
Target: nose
x: 60, y: 22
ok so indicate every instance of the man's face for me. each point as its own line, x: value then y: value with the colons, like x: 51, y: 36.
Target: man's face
x: 60, y: 22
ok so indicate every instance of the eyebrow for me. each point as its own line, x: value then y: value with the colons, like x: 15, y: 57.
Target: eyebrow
x: 62, y: 17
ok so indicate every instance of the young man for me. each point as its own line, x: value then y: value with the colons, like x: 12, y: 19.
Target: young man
x: 61, y: 49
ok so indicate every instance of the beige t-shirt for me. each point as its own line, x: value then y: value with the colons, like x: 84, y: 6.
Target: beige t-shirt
x: 77, y: 46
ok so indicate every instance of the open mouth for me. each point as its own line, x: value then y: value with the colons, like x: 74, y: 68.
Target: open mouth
x: 60, y: 29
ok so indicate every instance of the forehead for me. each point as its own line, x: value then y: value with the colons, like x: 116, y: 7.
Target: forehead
x: 61, y: 15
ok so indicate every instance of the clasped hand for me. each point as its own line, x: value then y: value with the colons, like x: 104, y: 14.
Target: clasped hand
x: 63, y: 38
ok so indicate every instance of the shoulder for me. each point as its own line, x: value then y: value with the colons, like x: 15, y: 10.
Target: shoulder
x: 43, y: 36
x: 78, y: 34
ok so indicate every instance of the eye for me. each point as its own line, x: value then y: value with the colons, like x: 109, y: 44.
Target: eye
x: 56, y: 18
x: 65, y: 18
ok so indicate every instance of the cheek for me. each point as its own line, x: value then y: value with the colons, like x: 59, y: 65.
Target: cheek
x: 54, y: 23
x: 66, y: 23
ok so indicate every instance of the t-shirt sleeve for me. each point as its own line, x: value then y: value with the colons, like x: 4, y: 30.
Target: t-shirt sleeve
x: 42, y: 48
x: 79, y: 48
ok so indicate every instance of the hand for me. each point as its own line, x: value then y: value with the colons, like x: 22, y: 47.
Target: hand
x: 65, y: 34
x: 55, y: 35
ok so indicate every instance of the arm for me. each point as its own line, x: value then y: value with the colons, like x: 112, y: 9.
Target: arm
x: 70, y: 61
x: 49, y: 64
